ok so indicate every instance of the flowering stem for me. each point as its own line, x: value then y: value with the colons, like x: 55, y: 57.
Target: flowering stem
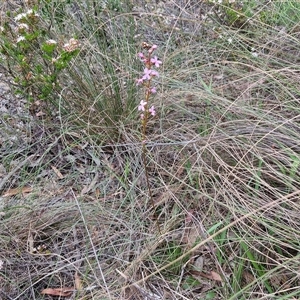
x: 146, y: 115
x: 146, y: 81
x: 144, y: 149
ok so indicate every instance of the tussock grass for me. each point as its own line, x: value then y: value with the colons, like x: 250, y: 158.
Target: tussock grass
x: 223, y: 160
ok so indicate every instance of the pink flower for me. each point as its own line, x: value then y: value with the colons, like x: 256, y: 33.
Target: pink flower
x: 142, y: 105
x: 139, y: 81
x: 147, y: 74
x: 154, y: 73
x: 153, y: 90
x: 152, y: 48
x: 155, y: 61
x: 141, y: 55
x: 152, y: 111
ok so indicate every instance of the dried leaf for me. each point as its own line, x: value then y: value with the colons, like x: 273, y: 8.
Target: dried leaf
x: 248, y: 277
x: 30, y: 242
x: 78, y: 283
x: 198, y: 263
x: 218, y: 77
x: 97, y: 193
x: 212, y: 275
x: 86, y: 189
x: 57, y: 172
x: 189, y: 217
x: 215, y: 276
x: 40, y: 114
x: 62, y: 292
x: 16, y: 191
x: 191, y: 235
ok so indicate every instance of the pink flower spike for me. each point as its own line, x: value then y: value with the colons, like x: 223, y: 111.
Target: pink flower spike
x: 141, y: 55
x: 153, y: 90
x: 142, y: 116
x: 155, y: 61
x: 152, y: 111
x: 142, y: 105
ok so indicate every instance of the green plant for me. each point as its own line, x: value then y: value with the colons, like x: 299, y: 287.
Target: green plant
x: 235, y: 15
x: 32, y: 58
x: 281, y: 13
x: 169, y: 252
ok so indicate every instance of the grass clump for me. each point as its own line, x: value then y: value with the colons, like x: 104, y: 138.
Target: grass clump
x: 219, y: 152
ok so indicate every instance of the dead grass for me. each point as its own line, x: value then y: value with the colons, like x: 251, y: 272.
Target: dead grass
x: 223, y: 165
